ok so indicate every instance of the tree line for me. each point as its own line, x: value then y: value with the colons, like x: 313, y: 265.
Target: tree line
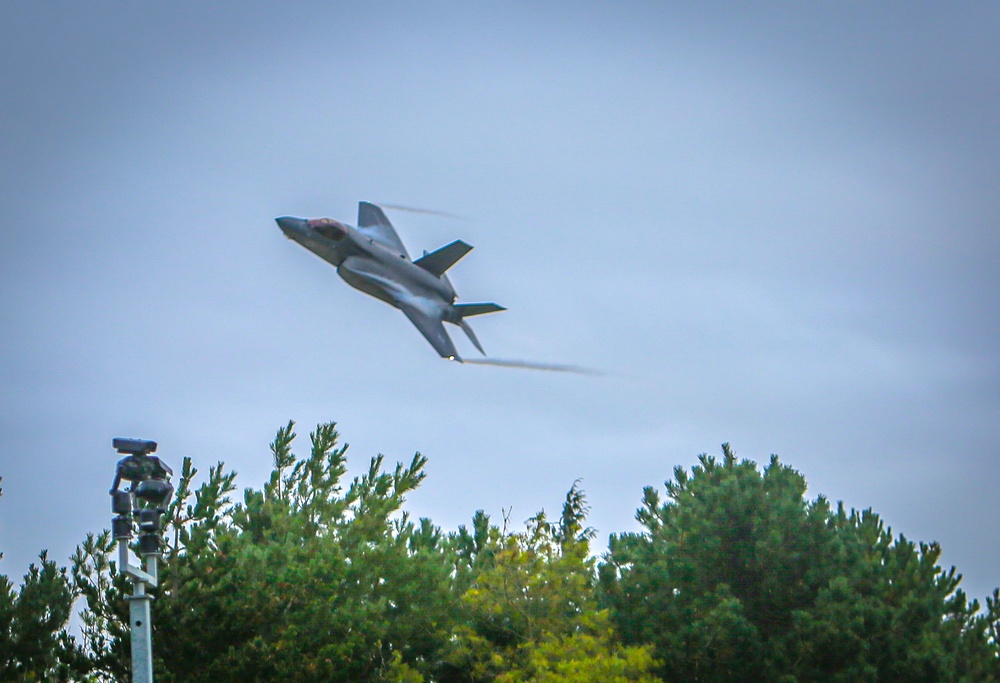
x: 735, y: 576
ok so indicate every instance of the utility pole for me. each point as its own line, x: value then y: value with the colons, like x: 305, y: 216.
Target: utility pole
x: 144, y: 502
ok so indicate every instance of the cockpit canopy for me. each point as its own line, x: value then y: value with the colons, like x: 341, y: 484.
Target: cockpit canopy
x: 328, y: 228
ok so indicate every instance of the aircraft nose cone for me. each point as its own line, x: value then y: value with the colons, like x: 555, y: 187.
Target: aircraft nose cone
x: 289, y: 224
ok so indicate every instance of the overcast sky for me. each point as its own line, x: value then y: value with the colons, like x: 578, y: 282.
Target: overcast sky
x: 772, y: 224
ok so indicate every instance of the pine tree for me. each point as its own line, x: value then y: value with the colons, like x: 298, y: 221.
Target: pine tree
x: 35, y: 644
x: 736, y: 577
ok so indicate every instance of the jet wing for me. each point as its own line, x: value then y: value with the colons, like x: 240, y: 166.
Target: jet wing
x: 433, y: 330
x: 373, y: 224
x: 444, y: 258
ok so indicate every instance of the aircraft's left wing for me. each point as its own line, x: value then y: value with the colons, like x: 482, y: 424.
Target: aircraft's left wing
x: 433, y: 330
x: 373, y: 224
x: 444, y: 258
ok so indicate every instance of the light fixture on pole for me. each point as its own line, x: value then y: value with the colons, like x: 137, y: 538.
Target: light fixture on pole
x: 144, y: 502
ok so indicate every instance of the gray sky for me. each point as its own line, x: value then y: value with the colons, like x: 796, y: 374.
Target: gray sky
x: 772, y: 224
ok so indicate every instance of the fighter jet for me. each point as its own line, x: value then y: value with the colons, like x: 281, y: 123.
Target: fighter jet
x: 372, y: 258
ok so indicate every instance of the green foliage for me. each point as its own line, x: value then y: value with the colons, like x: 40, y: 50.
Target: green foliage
x: 308, y: 579
x: 98, y: 579
x: 588, y: 655
x: 735, y: 577
x: 738, y: 578
x: 530, y: 612
x: 34, y: 642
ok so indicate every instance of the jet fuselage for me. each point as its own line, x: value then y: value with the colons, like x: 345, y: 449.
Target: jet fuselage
x: 365, y: 264
x: 372, y: 259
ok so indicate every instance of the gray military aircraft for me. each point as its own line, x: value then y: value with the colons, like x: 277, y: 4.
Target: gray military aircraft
x: 372, y: 258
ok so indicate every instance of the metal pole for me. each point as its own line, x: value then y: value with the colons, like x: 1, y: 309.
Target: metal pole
x: 142, y: 633
x: 140, y: 612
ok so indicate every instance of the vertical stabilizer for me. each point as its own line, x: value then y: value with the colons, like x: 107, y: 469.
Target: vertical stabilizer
x: 370, y: 215
x: 373, y: 224
x: 471, y: 335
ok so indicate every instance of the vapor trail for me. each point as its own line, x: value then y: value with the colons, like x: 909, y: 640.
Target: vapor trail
x: 530, y: 365
x: 411, y: 209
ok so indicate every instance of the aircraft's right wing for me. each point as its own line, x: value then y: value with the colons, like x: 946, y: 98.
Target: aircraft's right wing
x: 433, y: 330
x: 373, y: 224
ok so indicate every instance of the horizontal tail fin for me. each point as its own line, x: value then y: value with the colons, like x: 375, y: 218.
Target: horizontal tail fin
x: 444, y: 258
x: 466, y: 310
